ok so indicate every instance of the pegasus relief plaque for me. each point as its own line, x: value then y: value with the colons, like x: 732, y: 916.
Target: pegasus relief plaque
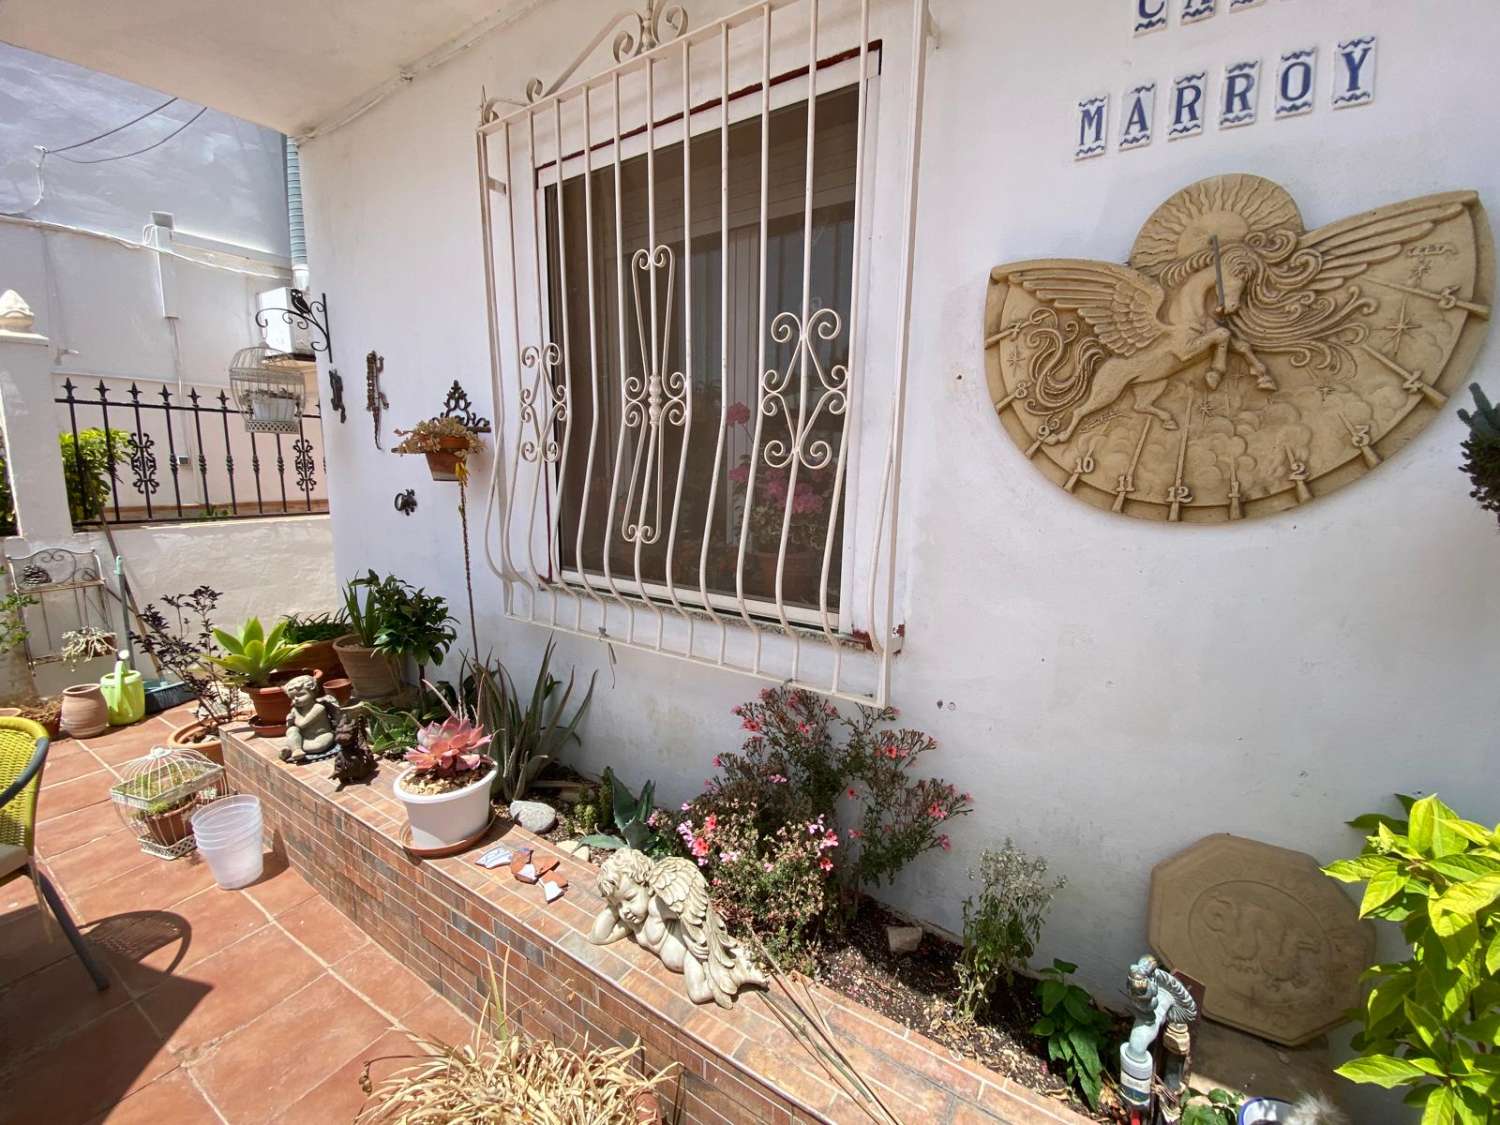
x: 1239, y: 364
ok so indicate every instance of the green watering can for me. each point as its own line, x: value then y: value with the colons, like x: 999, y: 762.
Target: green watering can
x: 125, y: 693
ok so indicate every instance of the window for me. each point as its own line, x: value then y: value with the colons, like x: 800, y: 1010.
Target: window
x: 679, y: 489
x: 699, y: 367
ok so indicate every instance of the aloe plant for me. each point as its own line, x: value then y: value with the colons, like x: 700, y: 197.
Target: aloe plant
x: 525, y: 738
x: 630, y: 815
x: 254, y: 655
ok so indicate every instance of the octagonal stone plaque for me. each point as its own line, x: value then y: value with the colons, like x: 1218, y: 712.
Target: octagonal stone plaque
x: 1278, y: 946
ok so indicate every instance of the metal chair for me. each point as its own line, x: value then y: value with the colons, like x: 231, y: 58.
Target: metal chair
x: 23, y: 752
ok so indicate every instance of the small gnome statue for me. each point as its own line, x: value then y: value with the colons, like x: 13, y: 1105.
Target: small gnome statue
x: 353, y: 761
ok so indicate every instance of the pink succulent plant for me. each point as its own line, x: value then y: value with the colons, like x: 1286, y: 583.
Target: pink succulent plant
x: 451, y: 747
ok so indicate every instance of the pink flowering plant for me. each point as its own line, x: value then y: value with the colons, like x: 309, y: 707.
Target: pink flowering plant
x: 768, y: 504
x: 766, y: 829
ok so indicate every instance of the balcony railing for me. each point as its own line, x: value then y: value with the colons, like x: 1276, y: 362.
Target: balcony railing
x: 184, y: 457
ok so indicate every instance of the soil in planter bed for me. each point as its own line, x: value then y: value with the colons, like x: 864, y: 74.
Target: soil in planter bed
x: 917, y: 989
x: 430, y: 786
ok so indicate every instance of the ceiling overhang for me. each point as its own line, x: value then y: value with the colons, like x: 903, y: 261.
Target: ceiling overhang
x: 297, y: 67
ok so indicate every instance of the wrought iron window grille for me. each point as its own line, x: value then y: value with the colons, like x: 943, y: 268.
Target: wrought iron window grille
x: 700, y: 408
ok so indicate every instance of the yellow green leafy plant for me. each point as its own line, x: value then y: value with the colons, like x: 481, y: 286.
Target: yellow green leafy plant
x: 1432, y: 1022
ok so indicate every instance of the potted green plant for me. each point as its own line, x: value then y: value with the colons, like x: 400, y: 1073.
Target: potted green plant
x: 446, y: 792
x: 182, y: 646
x: 445, y: 442
x: 318, y: 632
x: 260, y: 662
x: 389, y: 621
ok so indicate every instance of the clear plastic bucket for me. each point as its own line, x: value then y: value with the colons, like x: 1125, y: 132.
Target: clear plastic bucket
x: 228, y: 834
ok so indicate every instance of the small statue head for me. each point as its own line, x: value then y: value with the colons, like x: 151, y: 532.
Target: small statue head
x: 625, y: 883
x: 302, y: 691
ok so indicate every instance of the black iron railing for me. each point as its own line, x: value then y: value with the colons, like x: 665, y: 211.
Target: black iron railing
x: 119, y: 445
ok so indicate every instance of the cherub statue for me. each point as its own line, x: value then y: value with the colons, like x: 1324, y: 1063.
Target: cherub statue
x: 353, y: 761
x: 664, y: 906
x: 312, y: 721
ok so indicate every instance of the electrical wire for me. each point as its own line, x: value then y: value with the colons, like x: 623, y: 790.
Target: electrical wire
x: 137, y: 152
x: 112, y: 132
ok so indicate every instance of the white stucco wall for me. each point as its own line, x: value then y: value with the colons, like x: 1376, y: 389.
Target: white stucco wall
x: 1120, y: 688
x: 221, y: 177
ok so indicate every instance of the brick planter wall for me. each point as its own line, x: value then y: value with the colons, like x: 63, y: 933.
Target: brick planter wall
x: 450, y: 920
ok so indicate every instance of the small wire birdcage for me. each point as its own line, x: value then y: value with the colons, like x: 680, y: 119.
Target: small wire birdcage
x: 158, y: 795
x: 268, y: 388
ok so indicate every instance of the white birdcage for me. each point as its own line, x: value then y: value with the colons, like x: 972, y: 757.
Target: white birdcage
x: 158, y: 794
x: 268, y: 388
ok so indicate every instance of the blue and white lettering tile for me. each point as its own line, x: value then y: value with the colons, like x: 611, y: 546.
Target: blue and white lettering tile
x: 1093, y: 119
x: 1195, y: 10
x: 1354, y: 72
x: 1241, y: 5
x: 1240, y: 97
x: 1150, y: 15
x: 1137, y: 111
x: 1295, y: 78
x: 1186, y: 109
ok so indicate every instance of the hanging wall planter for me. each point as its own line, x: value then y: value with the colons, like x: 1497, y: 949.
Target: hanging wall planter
x: 268, y: 388
x: 444, y: 441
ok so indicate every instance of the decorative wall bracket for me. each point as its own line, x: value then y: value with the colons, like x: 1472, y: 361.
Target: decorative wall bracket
x: 456, y: 404
x: 311, y: 316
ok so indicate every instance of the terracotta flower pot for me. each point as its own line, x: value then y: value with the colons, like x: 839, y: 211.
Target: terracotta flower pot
x: 199, y: 736
x: 342, y: 689
x: 272, y: 705
x: 373, y: 674
x: 319, y: 655
x: 84, y: 711
x: 443, y: 462
x: 172, y: 827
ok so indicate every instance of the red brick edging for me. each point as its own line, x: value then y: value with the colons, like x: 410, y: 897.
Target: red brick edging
x: 450, y: 921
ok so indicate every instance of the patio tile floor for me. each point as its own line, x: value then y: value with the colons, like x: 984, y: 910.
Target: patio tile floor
x: 224, y: 1006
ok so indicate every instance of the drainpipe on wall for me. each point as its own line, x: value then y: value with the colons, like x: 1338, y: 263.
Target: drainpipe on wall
x: 295, y: 224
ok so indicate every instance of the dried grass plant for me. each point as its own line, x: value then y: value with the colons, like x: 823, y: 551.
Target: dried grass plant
x: 503, y: 1075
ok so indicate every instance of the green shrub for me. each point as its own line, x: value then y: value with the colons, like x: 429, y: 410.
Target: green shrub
x: 1002, y: 928
x: 1432, y: 1022
x: 86, y: 469
x: 1074, y: 1030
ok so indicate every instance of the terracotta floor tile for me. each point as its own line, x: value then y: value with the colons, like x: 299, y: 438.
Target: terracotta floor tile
x: 384, y: 980
x: 158, y: 885
x: 44, y: 1006
x: 70, y: 796
x: 270, y: 1063
x: 17, y: 894
x: 142, y: 945
x: 28, y: 941
x: 93, y: 1069
x: 66, y: 767
x: 62, y: 834
x: 320, y: 926
x: 339, y: 1097
x: 125, y: 743
x: 171, y: 1099
x: 438, y: 1019
x: 98, y: 861
x: 280, y: 887
x: 228, y: 990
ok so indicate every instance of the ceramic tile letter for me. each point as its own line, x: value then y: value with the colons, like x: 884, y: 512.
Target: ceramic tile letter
x: 1150, y: 15
x: 1354, y: 72
x: 1240, y: 97
x: 1195, y: 10
x: 1093, y: 117
x: 1294, y: 82
x: 1189, y: 92
x: 1136, y: 114
x: 1241, y: 5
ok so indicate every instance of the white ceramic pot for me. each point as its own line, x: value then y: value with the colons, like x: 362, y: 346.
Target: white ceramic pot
x: 442, y: 820
x: 269, y: 408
